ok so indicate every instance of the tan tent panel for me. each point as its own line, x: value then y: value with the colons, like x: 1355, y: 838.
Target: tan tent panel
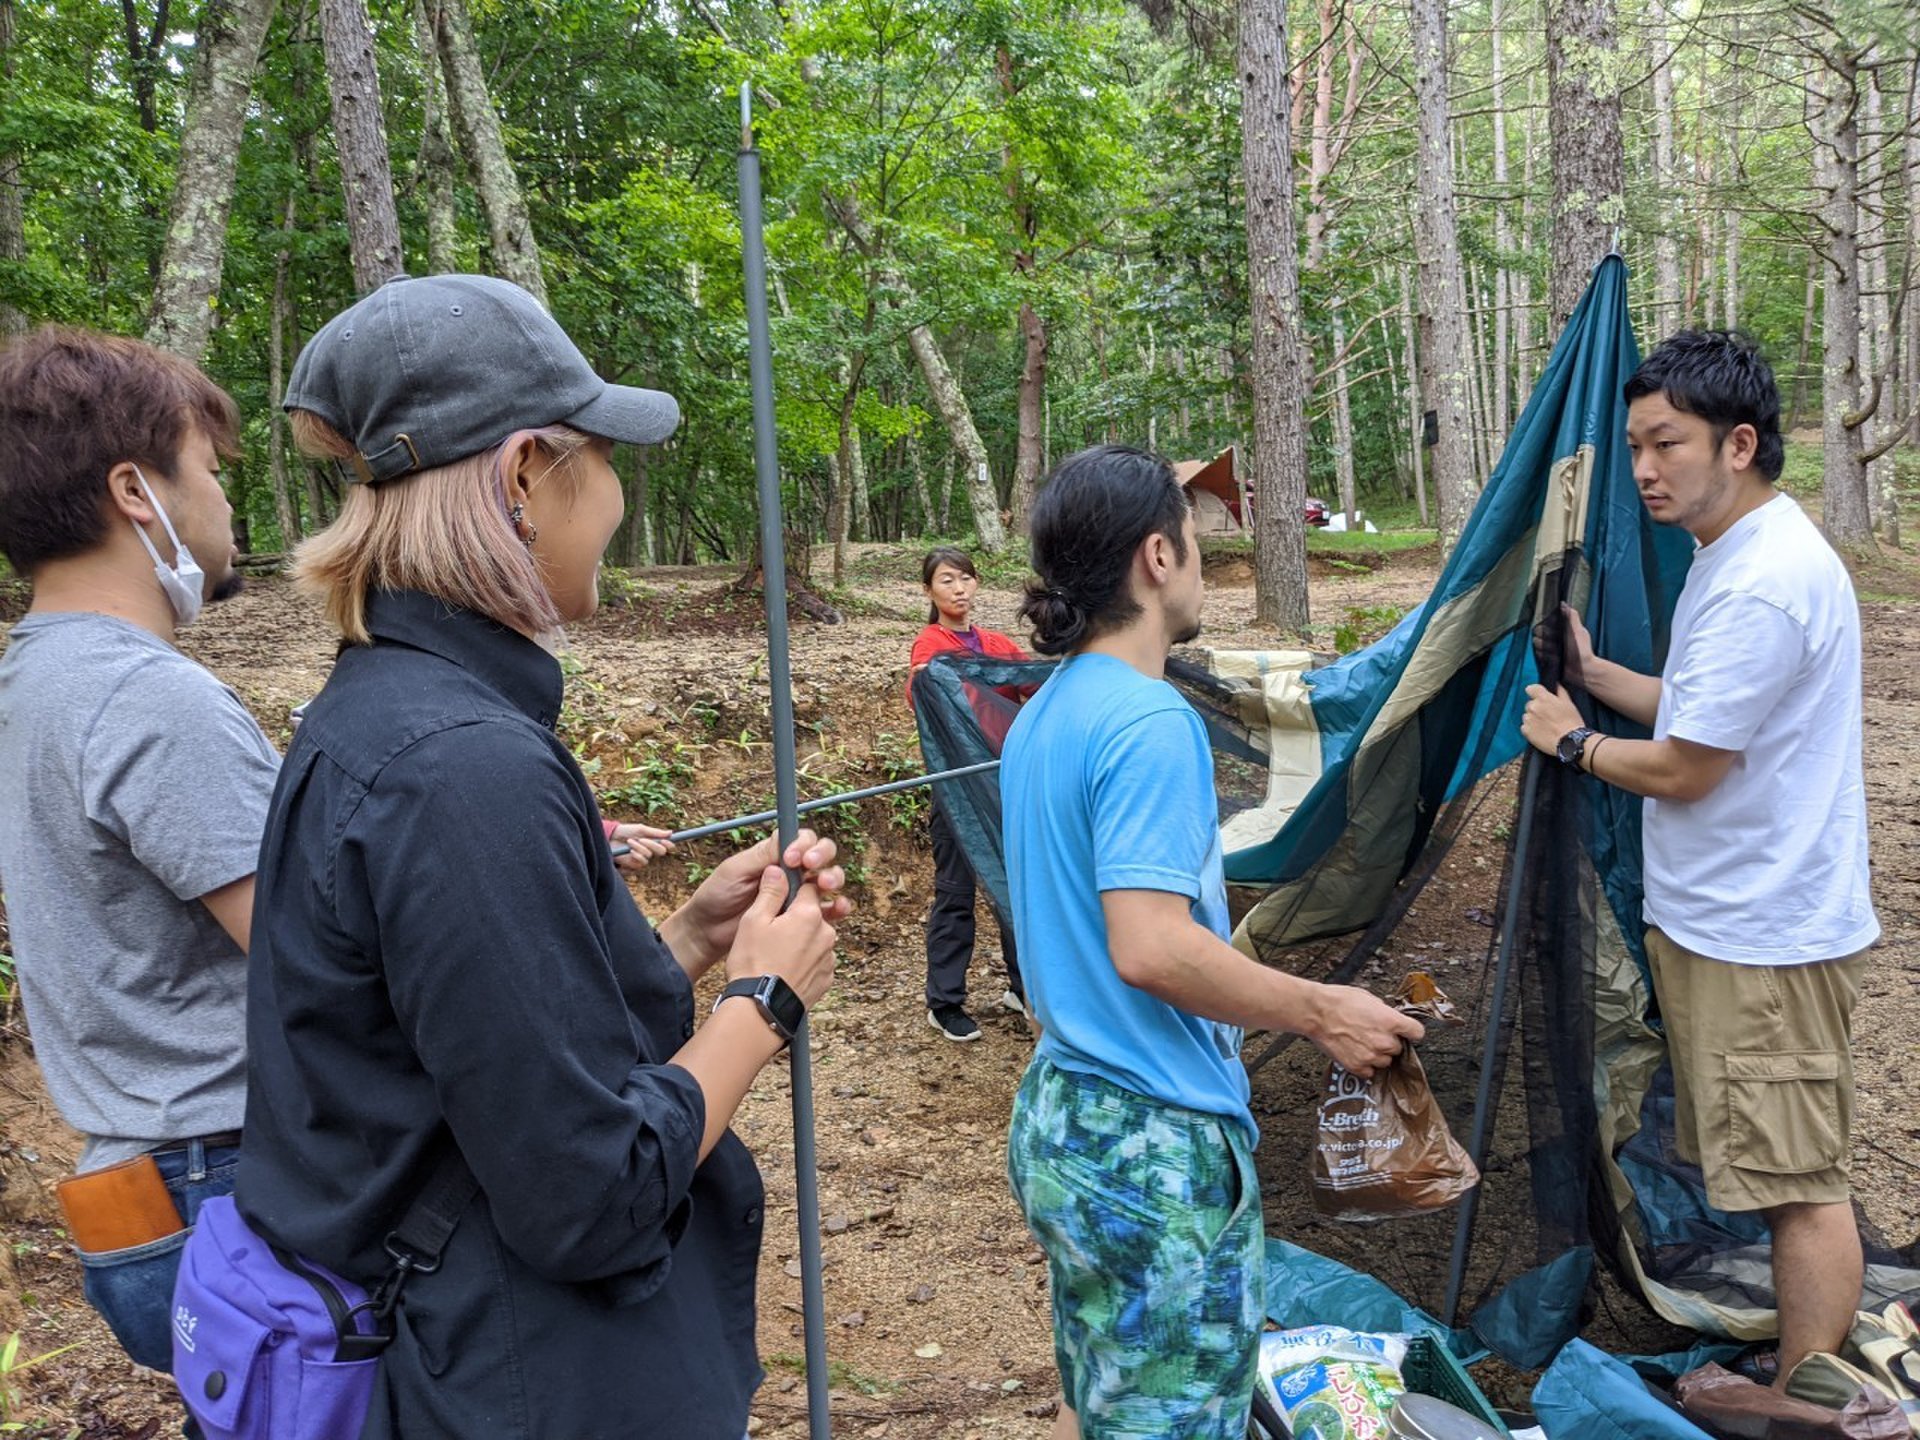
x: 1214, y: 489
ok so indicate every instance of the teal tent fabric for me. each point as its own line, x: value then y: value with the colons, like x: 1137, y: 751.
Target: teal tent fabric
x: 1526, y: 1321
x: 1586, y: 1394
x: 1304, y: 1288
x: 1629, y: 574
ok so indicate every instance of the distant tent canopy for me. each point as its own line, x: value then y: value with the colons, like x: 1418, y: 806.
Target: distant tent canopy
x: 1214, y: 488
x: 1343, y: 790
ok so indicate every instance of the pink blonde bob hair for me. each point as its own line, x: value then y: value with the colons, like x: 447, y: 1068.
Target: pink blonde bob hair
x: 443, y: 531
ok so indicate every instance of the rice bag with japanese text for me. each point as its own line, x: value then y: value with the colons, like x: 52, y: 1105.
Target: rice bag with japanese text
x: 1331, y: 1383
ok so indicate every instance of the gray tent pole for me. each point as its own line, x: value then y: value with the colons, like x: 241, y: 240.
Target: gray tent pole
x: 1483, y: 1101
x: 1548, y: 593
x: 773, y: 577
x: 826, y: 802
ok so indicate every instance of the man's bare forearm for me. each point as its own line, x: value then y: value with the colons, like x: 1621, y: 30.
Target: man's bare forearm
x: 1194, y: 970
x: 1626, y: 692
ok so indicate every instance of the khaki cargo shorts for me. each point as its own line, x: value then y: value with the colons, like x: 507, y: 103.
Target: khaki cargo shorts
x: 1762, y: 1073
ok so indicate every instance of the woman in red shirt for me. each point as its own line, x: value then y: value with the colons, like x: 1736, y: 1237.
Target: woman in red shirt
x: 950, y: 581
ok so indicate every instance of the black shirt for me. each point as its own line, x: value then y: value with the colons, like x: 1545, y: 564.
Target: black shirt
x: 442, y: 947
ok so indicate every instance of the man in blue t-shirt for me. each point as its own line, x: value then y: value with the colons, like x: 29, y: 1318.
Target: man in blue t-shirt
x: 1131, y: 1148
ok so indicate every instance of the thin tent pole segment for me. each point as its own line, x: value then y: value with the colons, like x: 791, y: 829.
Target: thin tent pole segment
x: 826, y: 802
x: 1548, y: 596
x: 773, y: 576
x: 1483, y: 1102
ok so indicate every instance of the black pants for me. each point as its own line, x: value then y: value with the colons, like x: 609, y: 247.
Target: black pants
x: 950, y: 922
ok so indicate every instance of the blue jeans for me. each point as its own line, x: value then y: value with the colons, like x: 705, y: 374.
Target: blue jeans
x: 133, y: 1288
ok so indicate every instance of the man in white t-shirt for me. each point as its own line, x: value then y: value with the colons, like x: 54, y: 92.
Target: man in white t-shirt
x: 1757, y: 898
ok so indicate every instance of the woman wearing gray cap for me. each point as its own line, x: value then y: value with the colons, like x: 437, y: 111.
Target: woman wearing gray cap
x: 451, y: 988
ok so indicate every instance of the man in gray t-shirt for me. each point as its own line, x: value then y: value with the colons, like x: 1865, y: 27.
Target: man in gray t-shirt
x: 133, y: 785
x: 132, y: 782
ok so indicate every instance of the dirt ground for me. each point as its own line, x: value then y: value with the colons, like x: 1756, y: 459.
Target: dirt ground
x: 935, y: 1295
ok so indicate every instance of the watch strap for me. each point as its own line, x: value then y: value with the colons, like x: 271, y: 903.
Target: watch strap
x: 779, y: 1005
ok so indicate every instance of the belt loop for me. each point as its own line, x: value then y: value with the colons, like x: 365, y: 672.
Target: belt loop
x: 196, y: 1160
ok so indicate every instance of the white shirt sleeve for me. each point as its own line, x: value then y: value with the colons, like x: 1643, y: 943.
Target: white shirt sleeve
x: 1742, y: 655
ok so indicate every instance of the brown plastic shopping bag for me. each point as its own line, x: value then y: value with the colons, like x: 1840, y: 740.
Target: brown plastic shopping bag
x: 1383, y: 1148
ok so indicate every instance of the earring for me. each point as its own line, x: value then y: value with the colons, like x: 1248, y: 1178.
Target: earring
x: 518, y: 515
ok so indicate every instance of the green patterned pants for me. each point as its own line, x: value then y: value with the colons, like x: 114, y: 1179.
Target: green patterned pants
x: 1150, y: 1219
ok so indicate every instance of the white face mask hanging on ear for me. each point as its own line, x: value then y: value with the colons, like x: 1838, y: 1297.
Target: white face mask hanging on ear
x: 184, y: 582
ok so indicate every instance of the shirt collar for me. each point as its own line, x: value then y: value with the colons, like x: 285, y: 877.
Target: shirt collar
x: 504, y: 659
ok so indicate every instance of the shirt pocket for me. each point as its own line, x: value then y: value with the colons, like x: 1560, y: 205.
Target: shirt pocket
x: 1784, y: 1111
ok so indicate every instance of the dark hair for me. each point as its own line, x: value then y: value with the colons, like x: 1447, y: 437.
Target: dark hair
x: 944, y: 555
x: 73, y: 404
x: 1088, y: 521
x: 1720, y: 376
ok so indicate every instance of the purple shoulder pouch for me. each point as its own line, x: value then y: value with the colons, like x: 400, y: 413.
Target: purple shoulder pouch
x: 266, y: 1345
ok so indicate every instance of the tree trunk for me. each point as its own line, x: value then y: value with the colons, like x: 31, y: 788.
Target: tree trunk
x: 516, y: 253
x: 1876, y: 338
x: 360, y: 142
x: 437, y: 159
x: 1799, y: 410
x: 949, y: 400
x: 861, y: 505
x: 951, y: 404
x: 1589, y: 157
x: 1837, y: 158
x: 1912, y: 270
x: 1279, y: 358
x: 1502, y: 234
x: 143, y: 60
x: 13, y: 234
x: 1029, y: 451
x: 849, y: 467
x: 1735, y: 176
x: 226, y: 52
x: 837, y: 505
x: 1489, y: 439
x: 277, y: 325
x: 1443, y: 338
x: 1522, y: 282
x: 1033, y: 330
x: 1415, y: 437
x: 1666, y: 239
x: 946, y: 493
x: 637, y: 545
x: 917, y: 464
x: 1342, y: 419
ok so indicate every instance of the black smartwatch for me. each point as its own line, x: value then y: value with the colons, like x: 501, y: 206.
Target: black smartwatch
x: 779, y: 1006
x: 1573, y: 745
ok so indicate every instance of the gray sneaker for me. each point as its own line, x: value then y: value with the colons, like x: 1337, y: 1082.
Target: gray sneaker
x: 954, y: 1023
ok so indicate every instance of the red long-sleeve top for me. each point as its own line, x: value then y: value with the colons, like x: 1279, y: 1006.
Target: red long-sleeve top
x: 937, y: 637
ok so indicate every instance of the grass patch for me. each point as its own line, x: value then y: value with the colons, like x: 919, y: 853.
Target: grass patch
x: 851, y: 602
x: 1385, y: 542
x: 840, y: 1375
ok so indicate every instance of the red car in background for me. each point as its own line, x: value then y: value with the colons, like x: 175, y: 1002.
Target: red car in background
x: 1315, y: 512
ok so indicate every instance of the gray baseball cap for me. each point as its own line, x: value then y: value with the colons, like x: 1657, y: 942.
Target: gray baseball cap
x: 428, y: 370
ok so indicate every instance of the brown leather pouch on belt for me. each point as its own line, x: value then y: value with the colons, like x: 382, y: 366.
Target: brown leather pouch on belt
x: 119, y: 1207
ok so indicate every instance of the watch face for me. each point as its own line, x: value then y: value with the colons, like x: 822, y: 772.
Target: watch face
x: 782, y: 1004
x: 1568, y: 750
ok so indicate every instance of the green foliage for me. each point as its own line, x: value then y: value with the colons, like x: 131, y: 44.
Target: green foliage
x: 1060, y: 155
x: 899, y: 759
x: 619, y: 587
x: 651, y: 783
x: 1364, y: 625
x: 11, y: 1368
